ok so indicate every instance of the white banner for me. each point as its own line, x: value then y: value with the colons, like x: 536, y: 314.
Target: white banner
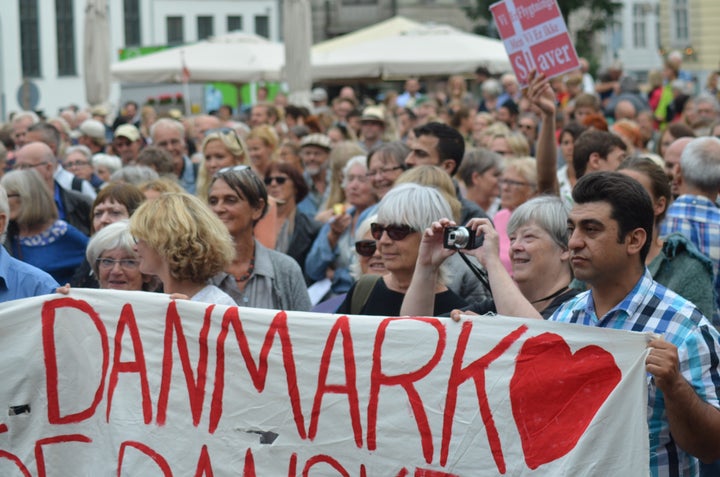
x: 108, y: 383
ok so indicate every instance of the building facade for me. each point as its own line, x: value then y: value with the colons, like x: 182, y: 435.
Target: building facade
x: 41, y: 41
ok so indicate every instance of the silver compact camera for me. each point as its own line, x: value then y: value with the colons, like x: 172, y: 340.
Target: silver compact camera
x: 458, y: 238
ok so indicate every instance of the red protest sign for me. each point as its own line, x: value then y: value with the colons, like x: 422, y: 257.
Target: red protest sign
x: 535, y: 37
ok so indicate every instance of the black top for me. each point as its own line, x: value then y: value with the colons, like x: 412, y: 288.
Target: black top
x: 488, y: 306
x: 385, y: 302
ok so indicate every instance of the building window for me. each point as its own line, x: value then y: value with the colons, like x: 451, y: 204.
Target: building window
x: 204, y: 27
x: 29, y: 38
x: 131, y: 12
x: 639, y: 21
x: 680, y: 20
x: 262, y: 26
x: 175, y: 33
x: 234, y: 22
x: 65, y: 34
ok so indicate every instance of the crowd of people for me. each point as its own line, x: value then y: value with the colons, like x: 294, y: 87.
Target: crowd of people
x: 596, y: 202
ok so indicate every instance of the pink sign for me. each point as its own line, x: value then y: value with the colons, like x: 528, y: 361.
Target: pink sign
x: 535, y: 37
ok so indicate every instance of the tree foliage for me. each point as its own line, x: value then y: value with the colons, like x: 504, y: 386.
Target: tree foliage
x: 599, y: 14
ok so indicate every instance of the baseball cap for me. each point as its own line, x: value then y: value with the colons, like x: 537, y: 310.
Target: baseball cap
x: 128, y: 131
x: 319, y: 140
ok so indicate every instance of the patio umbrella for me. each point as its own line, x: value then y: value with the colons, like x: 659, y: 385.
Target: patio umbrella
x: 96, y: 52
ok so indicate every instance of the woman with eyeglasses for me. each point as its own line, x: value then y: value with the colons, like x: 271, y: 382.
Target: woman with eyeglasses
x: 221, y: 148
x: 296, y: 231
x: 332, y: 252
x: 179, y: 240
x: 35, y: 233
x: 79, y: 161
x: 518, y: 184
x: 480, y: 172
x: 114, y: 261
x: 115, y: 202
x: 402, y: 214
x: 257, y: 277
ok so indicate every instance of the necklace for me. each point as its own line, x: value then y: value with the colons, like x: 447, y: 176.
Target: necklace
x: 559, y: 292
x: 249, y: 272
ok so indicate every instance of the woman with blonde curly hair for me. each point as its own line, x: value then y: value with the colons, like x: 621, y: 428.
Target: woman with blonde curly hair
x: 220, y: 148
x: 184, y: 244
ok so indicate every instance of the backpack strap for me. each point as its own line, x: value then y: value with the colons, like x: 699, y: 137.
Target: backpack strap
x: 77, y: 184
x: 361, y: 293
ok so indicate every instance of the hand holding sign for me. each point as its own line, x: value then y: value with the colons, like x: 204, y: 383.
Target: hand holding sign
x: 535, y: 37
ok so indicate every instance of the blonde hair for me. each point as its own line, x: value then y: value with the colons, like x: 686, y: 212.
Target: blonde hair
x: 186, y: 234
x: 437, y: 178
x: 525, y: 166
x: 340, y: 154
x: 235, y: 146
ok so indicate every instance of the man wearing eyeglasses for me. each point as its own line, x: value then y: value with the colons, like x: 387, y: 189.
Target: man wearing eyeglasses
x: 73, y: 207
x: 170, y: 135
x: 19, y: 279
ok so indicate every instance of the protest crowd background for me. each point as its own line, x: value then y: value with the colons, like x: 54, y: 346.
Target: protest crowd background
x: 306, y: 207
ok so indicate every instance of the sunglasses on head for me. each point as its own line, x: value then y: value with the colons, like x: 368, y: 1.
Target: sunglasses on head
x: 279, y: 179
x: 394, y: 231
x: 238, y: 168
x: 366, y: 248
x: 220, y: 130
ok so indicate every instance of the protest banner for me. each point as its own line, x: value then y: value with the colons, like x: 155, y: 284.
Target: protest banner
x: 130, y: 383
x: 535, y: 37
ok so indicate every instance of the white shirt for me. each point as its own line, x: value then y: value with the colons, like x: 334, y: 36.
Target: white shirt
x: 65, y: 179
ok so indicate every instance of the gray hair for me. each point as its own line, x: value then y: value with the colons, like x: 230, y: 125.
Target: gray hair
x: 84, y: 150
x: 134, y: 175
x: 395, y: 151
x: 700, y: 164
x: 707, y: 98
x: 478, y: 160
x: 492, y: 87
x: 412, y: 204
x: 354, y: 161
x: 5, y: 210
x: 548, y: 212
x: 38, y: 205
x: 21, y: 115
x: 167, y: 123
x: 110, y: 237
x: 112, y: 163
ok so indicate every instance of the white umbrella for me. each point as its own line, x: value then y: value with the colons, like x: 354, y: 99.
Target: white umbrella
x: 96, y: 52
x: 422, y: 51
x: 234, y: 58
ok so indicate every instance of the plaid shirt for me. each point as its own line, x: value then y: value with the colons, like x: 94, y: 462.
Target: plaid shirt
x: 698, y: 219
x: 650, y: 307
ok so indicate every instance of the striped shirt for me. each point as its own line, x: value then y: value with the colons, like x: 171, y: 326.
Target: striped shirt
x: 698, y: 219
x: 650, y: 307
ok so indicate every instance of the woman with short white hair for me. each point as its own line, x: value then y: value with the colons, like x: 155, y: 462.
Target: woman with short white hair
x: 402, y: 215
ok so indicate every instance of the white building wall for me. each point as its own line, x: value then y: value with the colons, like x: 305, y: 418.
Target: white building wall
x: 59, y: 92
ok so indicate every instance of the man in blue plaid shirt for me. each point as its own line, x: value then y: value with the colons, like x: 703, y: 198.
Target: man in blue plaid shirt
x: 694, y: 213
x: 610, y: 227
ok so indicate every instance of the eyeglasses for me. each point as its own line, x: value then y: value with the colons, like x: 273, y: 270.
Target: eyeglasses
x: 13, y: 195
x: 280, y: 180
x: 382, y: 171
x: 527, y: 126
x: 512, y: 183
x: 220, y: 130
x: 366, y: 248
x: 125, y: 263
x: 394, y: 231
x: 23, y: 167
x: 72, y: 164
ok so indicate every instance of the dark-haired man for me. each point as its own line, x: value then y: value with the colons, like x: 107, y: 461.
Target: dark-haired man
x: 597, y: 151
x: 610, y: 231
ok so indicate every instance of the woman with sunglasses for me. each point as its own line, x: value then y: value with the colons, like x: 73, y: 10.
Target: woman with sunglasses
x: 184, y: 244
x: 257, y: 277
x: 402, y: 214
x: 296, y: 232
x: 221, y: 148
x: 332, y: 252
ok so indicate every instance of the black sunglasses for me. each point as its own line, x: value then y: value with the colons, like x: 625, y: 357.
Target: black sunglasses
x: 279, y: 179
x: 366, y: 248
x: 394, y: 231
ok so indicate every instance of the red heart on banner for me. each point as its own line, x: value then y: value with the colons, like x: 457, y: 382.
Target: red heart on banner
x: 555, y: 394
